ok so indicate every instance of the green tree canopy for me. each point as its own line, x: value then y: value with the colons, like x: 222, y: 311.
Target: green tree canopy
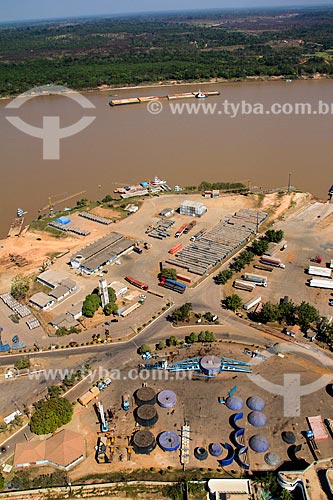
x: 20, y: 286
x: 306, y: 315
x: 90, y: 305
x: 233, y: 302
x: 259, y: 247
x: 168, y: 272
x: 274, y: 236
x: 50, y: 414
x: 145, y: 348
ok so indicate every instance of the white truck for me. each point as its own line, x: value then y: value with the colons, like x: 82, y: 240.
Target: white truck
x: 325, y: 272
x: 256, y: 279
x: 271, y: 261
x: 317, y: 283
x: 243, y: 285
x: 251, y: 303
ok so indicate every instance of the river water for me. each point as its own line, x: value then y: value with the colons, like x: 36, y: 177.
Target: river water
x: 125, y: 145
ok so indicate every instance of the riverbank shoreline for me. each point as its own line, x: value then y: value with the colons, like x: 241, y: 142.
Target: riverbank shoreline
x: 180, y: 83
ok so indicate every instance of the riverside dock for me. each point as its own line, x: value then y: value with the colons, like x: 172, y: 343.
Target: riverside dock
x: 170, y: 97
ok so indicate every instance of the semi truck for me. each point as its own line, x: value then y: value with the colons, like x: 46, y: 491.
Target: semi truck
x: 317, y: 283
x: 256, y: 278
x: 198, y: 235
x: 320, y: 271
x: 176, y: 286
x: 136, y: 283
x: 271, y: 261
x: 180, y: 231
x: 242, y: 285
x: 251, y: 303
x: 190, y: 226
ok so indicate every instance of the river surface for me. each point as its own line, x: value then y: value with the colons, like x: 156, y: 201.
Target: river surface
x: 125, y: 145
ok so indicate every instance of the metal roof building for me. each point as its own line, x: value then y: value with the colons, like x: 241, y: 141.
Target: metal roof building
x: 42, y: 301
x: 103, y: 251
x: 193, y: 208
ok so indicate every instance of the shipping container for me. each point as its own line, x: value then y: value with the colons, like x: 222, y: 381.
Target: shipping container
x: 89, y: 396
x: 175, y: 249
x: 320, y: 271
x: 243, y: 285
x: 181, y: 277
x: 321, y: 283
x: 251, y: 303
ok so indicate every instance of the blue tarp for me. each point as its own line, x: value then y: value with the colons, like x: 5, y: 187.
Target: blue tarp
x: 63, y: 220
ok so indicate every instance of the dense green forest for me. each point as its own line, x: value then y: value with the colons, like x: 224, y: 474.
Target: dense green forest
x: 87, y: 53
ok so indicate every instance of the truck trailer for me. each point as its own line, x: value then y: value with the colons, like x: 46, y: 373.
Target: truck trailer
x: 256, y: 278
x: 271, y: 261
x: 176, y: 286
x: 251, y: 303
x: 320, y: 271
x: 136, y: 283
x: 317, y: 283
x: 243, y: 285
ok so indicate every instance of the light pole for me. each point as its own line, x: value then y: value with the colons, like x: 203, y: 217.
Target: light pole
x: 289, y: 182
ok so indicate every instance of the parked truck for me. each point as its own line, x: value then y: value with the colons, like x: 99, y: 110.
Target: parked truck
x: 256, y: 278
x: 243, y: 285
x: 126, y: 402
x: 176, y: 286
x: 318, y: 283
x: 198, y: 235
x: 271, y: 261
x: 320, y: 271
x: 251, y: 303
x: 136, y: 283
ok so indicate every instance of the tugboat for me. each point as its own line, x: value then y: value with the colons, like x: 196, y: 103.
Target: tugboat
x: 200, y: 95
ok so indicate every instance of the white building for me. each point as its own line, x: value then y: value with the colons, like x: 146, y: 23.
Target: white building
x: 119, y: 288
x: 42, y: 301
x: 192, y: 208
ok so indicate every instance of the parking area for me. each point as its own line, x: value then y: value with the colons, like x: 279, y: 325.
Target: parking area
x: 308, y: 233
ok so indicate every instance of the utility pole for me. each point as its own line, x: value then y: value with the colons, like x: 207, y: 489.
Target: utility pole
x: 289, y: 182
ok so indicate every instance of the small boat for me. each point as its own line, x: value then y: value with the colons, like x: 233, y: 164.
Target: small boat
x: 200, y: 95
x: 157, y: 181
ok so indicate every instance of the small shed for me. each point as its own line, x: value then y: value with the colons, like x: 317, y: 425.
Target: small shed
x: 292, y: 330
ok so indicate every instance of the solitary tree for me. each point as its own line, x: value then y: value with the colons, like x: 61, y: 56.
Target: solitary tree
x: 50, y: 414
x: 233, y: 302
x: 20, y: 286
x: 168, y: 272
x: 145, y: 348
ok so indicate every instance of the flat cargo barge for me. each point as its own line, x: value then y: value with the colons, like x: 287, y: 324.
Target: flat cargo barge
x: 170, y: 97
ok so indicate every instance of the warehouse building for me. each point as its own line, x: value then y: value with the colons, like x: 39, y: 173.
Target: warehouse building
x: 63, y: 450
x: 119, y: 288
x: 192, y: 208
x: 42, y: 301
x: 103, y: 251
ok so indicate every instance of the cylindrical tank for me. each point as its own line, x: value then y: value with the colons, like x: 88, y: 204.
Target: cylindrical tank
x: 145, y: 396
x: 210, y: 365
x: 146, y: 415
x: 143, y: 442
x: 169, y: 441
x: 200, y: 453
x: 215, y: 449
x: 166, y: 399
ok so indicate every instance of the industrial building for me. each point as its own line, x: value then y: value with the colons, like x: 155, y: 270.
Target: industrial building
x: 192, y: 208
x: 42, y: 301
x: 119, y: 288
x: 103, y: 251
x: 167, y: 212
x: 52, y: 279
x: 63, y: 450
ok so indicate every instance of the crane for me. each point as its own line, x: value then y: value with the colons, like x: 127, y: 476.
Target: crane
x: 104, y: 423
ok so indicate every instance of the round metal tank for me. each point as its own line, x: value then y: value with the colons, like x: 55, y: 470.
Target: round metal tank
x: 200, y: 453
x: 143, y: 442
x: 272, y: 459
x: 288, y: 437
x: 215, y: 449
x: 146, y: 415
x: 210, y: 365
x: 234, y: 403
x: 255, y: 403
x: 169, y: 441
x: 257, y: 419
x: 259, y: 444
x: 145, y: 396
x: 167, y: 399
